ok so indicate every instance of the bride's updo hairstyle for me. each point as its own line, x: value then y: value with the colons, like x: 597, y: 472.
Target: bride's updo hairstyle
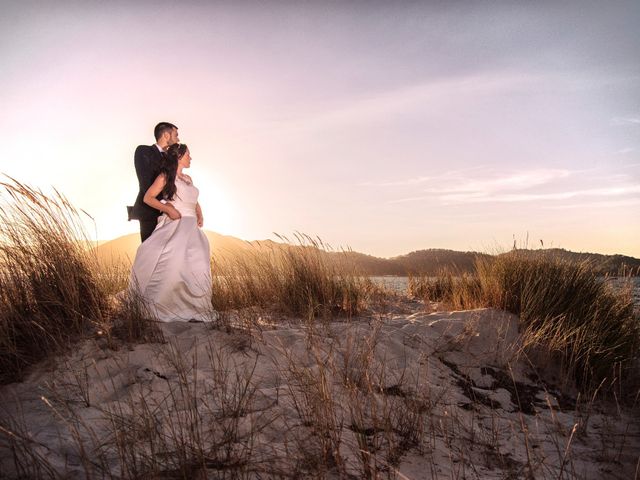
x: 170, y: 167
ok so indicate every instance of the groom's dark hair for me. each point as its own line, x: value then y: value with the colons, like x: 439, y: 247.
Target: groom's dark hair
x: 161, y: 128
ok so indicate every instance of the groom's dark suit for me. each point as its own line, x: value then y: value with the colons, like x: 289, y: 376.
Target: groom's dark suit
x: 147, y: 160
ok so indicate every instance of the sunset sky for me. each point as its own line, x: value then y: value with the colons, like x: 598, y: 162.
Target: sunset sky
x: 383, y: 126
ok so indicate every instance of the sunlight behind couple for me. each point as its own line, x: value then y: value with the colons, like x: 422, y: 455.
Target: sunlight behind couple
x: 220, y: 214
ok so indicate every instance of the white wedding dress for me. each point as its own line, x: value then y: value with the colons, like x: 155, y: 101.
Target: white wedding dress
x: 172, y: 269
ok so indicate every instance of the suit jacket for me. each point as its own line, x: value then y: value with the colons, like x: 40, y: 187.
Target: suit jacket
x: 147, y: 160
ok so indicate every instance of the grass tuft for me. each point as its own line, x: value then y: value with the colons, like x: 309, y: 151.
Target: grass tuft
x: 53, y: 290
x: 569, y: 314
x: 49, y: 289
x: 294, y: 278
x: 567, y: 310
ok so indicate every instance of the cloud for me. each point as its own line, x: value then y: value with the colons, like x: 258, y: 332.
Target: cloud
x: 625, y: 121
x: 515, y: 181
x: 457, y: 184
x: 624, y: 151
x: 626, y: 202
x: 438, y: 94
x: 531, y: 197
x: 407, y: 181
x: 538, y: 185
x: 442, y: 177
x: 433, y: 95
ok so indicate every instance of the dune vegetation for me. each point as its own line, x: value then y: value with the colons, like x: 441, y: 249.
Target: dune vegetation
x: 310, y: 369
x: 569, y: 315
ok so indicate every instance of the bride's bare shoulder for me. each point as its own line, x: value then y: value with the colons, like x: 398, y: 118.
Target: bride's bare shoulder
x: 186, y: 178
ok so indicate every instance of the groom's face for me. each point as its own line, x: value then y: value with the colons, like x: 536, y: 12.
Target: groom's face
x: 173, y: 136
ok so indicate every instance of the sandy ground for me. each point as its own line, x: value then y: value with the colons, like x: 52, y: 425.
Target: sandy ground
x: 418, y: 396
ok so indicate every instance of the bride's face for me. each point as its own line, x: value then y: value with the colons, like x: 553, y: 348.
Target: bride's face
x: 185, y: 160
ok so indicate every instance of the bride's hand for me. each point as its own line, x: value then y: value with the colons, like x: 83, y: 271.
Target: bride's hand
x: 199, y: 215
x: 172, y: 213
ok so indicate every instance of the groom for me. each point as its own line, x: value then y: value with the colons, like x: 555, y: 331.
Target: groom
x: 147, y: 160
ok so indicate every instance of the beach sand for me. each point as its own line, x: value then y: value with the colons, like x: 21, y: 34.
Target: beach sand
x: 404, y: 395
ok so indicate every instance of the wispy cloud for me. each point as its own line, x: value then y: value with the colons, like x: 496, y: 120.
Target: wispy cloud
x: 624, y: 151
x: 617, y: 203
x: 397, y: 183
x: 458, y: 185
x: 527, y: 186
x: 622, y: 121
x: 437, y: 93
x: 515, y: 181
x: 476, y: 197
x: 451, y: 175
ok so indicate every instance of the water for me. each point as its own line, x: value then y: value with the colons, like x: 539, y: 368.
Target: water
x: 622, y: 282
x: 399, y: 284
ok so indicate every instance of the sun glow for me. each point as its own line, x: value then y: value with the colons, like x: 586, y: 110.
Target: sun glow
x: 217, y: 208
x: 103, y: 222
x: 353, y: 128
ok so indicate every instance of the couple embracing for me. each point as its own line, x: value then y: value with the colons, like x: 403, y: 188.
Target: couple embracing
x: 172, y: 269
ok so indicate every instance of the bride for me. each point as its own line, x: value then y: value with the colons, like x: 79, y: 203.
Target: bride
x: 172, y: 270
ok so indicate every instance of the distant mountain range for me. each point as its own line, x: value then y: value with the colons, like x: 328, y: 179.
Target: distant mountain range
x: 124, y: 248
x: 428, y: 262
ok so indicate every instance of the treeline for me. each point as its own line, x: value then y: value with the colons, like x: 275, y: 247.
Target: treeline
x: 434, y: 261
x: 427, y: 262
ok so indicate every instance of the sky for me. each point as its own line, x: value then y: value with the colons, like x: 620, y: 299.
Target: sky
x: 385, y: 127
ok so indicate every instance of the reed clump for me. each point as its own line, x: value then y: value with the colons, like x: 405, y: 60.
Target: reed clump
x: 458, y: 291
x: 49, y: 289
x: 53, y: 289
x: 296, y: 278
x: 567, y: 310
x: 570, y: 316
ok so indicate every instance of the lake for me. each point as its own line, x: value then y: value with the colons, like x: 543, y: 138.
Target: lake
x: 399, y: 284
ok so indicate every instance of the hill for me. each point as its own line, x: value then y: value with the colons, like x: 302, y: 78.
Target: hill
x: 434, y: 260
x: 427, y: 262
x: 603, y: 264
x: 124, y: 248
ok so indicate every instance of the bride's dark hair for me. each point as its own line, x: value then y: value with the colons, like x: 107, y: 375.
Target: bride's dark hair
x: 169, y: 167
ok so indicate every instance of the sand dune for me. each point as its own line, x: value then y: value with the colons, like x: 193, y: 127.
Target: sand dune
x: 411, y: 395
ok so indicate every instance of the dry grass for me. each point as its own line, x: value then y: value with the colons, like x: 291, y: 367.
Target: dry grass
x: 49, y: 291
x: 53, y: 291
x: 336, y: 405
x: 453, y: 290
x: 353, y: 416
x: 570, y: 312
x: 200, y: 428
x: 346, y: 410
x: 570, y: 316
x: 295, y: 278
